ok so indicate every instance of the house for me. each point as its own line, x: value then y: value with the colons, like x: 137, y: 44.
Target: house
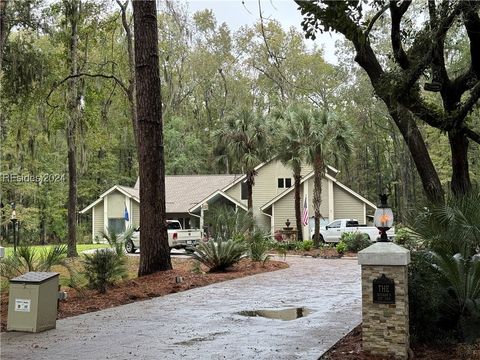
x: 118, y: 208
x: 189, y: 196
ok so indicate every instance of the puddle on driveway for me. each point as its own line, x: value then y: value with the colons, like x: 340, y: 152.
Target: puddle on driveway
x: 280, y: 314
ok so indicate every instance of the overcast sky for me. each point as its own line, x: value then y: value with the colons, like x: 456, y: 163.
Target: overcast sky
x: 237, y: 13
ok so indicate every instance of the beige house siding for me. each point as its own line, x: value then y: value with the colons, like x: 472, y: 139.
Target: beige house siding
x: 236, y: 192
x: 347, y: 206
x: 284, y: 209
x: 266, y: 188
x: 98, y: 219
x: 135, y: 216
x: 324, y: 204
x: 116, y: 205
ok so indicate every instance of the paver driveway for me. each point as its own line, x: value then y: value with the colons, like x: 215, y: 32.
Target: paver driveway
x: 202, y: 323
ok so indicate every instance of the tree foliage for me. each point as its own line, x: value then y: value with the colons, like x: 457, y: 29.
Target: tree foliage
x: 417, y: 63
x: 208, y: 71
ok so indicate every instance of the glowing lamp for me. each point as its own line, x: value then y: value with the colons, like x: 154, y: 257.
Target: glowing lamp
x: 383, y: 218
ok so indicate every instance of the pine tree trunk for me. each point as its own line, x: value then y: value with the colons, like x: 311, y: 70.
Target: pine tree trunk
x: 155, y: 254
x: 72, y: 14
x: 298, y: 204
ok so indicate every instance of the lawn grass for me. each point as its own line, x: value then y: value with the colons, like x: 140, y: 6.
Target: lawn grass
x: 80, y: 248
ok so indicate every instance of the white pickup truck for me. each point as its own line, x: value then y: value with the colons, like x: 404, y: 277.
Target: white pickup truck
x: 333, y: 231
x: 178, y: 238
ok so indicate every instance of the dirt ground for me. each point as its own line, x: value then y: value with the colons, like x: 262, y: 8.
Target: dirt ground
x: 350, y: 348
x: 154, y: 285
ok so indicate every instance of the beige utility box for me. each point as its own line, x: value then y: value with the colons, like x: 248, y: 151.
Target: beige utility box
x: 32, y: 302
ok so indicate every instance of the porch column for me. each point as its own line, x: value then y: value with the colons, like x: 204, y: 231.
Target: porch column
x: 105, y: 213
x: 331, y: 204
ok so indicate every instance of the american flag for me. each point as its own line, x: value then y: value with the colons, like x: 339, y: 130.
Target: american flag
x: 305, y: 213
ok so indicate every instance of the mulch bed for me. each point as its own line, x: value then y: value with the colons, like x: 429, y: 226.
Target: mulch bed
x: 350, y: 348
x: 150, y: 286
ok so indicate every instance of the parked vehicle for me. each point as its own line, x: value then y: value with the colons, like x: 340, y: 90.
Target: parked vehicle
x: 178, y: 238
x: 334, y: 230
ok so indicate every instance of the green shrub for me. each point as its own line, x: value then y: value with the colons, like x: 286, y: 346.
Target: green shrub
x: 305, y: 245
x: 341, y: 247
x: 104, y: 268
x: 32, y: 259
x: 430, y: 320
x: 461, y: 277
x: 453, y: 226
x: 406, y: 238
x: 225, y: 223
x: 258, y: 245
x: 117, y: 241
x: 452, y: 231
x: 107, y: 266
x: 444, y: 298
x: 219, y: 255
x: 355, y: 241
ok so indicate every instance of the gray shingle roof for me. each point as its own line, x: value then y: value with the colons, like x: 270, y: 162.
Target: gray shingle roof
x: 185, y: 191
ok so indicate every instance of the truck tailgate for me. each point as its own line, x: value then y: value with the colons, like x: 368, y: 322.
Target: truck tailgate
x: 185, y: 237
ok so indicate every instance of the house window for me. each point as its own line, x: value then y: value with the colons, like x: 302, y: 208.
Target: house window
x: 284, y: 183
x: 116, y: 225
x: 244, y: 191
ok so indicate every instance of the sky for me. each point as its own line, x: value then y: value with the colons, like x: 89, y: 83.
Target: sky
x: 237, y: 13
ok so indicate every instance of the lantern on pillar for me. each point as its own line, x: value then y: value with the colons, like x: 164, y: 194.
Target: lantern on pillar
x: 383, y: 218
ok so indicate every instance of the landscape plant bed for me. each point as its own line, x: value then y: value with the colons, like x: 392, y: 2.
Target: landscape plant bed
x: 350, y: 348
x: 150, y: 286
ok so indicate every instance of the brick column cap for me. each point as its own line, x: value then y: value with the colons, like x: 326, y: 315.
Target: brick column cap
x: 384, y: 253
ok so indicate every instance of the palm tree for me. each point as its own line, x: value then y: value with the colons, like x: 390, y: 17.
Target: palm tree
x: 290, y: 147
x: 244, y: 137
x: 329, y: 140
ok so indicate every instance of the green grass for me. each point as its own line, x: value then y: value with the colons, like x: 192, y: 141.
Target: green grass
x: 80, y: 247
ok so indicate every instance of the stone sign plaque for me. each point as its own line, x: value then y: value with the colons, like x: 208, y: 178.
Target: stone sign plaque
x: 383, y: 290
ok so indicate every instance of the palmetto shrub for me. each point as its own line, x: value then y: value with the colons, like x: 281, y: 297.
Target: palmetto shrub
x: 218, y: 255
x: 107, y: 266
x: 430, y: 318
x: 258, y: 245
x: 451, y: 231
x: 28, y: 258
x: 452, y: 227
x: 104, y: 268
x: 227, y: 223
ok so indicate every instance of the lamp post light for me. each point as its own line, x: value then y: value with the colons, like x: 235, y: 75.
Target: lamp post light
x: 383, y: 218
x: 13, y: 219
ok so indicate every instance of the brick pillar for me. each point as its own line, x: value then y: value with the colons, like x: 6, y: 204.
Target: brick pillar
x: 385, y: 325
